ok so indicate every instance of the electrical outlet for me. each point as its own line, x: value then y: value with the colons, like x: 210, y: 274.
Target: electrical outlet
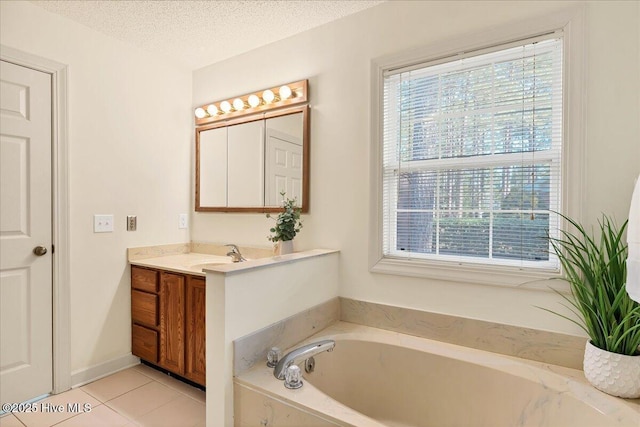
x: 183, y: 221
x: 132, y: 222
x: 103, y: 223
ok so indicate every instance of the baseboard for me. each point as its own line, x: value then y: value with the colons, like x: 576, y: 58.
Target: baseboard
x: 95, y: 372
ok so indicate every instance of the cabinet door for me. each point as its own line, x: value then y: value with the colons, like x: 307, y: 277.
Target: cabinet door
x: 195, y: 314
x: 172, y: 343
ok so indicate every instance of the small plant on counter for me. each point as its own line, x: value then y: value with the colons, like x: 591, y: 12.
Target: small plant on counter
x: 595, y: 267
x: 288, y: 222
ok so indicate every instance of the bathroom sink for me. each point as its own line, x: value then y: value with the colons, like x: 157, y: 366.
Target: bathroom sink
x: 202, y: 266
x: 207, y: 261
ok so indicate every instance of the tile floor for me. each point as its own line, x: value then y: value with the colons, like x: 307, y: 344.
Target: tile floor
x: 138, y: 396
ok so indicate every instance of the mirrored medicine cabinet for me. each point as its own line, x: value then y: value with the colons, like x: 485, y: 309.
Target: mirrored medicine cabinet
x: 250, y: 151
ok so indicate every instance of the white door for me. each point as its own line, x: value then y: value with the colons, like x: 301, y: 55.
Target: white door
x: 25, y: 229
x: 283, y: 168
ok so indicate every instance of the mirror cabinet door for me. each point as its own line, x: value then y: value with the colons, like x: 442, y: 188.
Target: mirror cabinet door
x: 244, y: 167
x: 283, y: 158
x: 213, y: 167
x: 245, y: 160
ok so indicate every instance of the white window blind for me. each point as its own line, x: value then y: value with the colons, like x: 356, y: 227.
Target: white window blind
x: 472, y: 156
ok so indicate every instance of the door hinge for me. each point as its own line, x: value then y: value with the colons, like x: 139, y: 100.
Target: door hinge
x: 53, y: 249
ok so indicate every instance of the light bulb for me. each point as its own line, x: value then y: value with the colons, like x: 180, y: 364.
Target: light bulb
x: 268, y: 96
x: 254, y: 101
x: 212, y: 110
x: 238, y: 104
x: 200, y: 113
x: 225, y: 106
x: 285, y: 92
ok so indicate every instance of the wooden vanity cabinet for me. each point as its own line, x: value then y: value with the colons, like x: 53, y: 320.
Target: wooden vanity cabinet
x: 168, y: 321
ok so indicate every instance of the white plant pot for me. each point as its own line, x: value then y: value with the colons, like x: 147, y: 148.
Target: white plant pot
x: 285, y: 247
x: 615, y: 374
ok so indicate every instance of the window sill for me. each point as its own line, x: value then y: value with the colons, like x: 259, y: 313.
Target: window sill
x: 471, y: 273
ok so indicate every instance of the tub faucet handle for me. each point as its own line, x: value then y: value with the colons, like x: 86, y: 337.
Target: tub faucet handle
x: 273, y: 357
x: 293, y: 377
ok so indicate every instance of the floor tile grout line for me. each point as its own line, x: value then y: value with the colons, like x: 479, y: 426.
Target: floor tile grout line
x: 128, y: 419
x: 79, y: 413
x: 142, y: 415
x: 182, y: 392
x: 191, y: 398
x: 166, y: 383
x: 138, y: 417
x: 115, y: 397
x: 164, y: 405
x: 66, y: 419
x: 129, y: 391
x: 194, y: 399
x: 11, y: 414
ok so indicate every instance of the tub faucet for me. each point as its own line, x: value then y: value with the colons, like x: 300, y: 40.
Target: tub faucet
x: 235, y: 254
x: 300, y: 354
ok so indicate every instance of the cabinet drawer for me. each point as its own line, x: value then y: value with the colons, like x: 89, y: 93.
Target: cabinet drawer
x: 144, y: 308
x: 143, y: 279
x: 144, y: 343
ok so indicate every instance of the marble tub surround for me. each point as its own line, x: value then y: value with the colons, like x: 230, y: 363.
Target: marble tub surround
x: 253, y: 408
x: 542, y: 346
x: 252, y: 349
x: 493, y: 389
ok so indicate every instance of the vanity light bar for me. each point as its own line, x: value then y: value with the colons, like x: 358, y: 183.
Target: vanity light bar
x: 268, y: 99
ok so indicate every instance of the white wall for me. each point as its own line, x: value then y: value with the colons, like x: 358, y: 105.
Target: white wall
x: 129, y: 127
x: 336, y: 58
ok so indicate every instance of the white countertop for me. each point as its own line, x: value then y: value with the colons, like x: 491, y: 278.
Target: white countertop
x: 191, y: 263
x: 177, y: 259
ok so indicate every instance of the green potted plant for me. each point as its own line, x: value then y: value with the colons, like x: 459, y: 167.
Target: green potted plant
x: 595, y: 268
x: 288, y: 224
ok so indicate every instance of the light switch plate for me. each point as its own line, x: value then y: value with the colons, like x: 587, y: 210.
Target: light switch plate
x: 103, y: 223
x: 183, y: 221
x: 132, y: 222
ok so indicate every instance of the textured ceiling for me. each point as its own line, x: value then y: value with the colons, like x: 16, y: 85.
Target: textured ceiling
x: 199, y: 33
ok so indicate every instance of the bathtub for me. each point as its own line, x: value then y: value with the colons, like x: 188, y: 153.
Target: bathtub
x: 376, y: 378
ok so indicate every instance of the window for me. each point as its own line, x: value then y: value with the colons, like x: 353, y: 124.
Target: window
x: 472, y: 150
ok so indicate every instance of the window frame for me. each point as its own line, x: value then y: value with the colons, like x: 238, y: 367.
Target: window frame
x: 570, y: 22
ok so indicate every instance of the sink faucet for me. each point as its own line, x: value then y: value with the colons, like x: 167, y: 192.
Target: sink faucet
x: 235, y: 254
x: 300, y: 354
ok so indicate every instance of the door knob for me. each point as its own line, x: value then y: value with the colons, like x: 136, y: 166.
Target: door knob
x: 39, y: 250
